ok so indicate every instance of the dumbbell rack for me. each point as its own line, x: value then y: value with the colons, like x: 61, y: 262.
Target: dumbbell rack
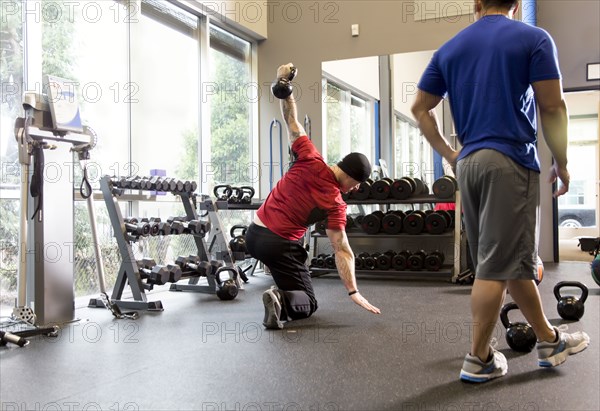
x: 222, y: 205
x: 450, y: 271
x: 129, y: 271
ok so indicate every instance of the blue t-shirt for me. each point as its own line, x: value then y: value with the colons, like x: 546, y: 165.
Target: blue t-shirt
x: 487, y: 70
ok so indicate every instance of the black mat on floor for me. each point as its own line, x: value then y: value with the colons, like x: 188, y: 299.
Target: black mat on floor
x: 201, y: 353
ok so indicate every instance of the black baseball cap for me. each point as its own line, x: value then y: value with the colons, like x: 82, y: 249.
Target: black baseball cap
x: 356, y: 165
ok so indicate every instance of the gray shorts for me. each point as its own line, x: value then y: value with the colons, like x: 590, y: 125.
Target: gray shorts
x: 501, y: 211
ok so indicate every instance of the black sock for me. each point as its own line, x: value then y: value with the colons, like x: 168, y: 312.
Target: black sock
x: 557, y: 337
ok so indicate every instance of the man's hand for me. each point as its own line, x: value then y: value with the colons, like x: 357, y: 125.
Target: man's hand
x: 362, y: 301
x: 284, y: 70
x: 563, y: 176
x: 451, y: 159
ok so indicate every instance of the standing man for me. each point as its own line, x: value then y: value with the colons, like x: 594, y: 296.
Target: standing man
x: 494, y: 72
x: 309, y: 192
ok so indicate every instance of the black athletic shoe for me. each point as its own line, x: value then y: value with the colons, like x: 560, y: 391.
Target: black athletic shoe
x: 272, y: 302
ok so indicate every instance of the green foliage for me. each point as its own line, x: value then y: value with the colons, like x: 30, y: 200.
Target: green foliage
x: 230, y: 119
x: 187, y: 168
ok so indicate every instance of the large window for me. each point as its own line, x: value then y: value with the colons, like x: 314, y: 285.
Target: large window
x: 577, y: 208
x: 138, y: 67
x: 11, y: 81
x: 349, y: 124
x: 413, y: 153
x: 230, y: 98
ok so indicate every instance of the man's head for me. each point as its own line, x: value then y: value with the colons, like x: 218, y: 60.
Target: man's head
x: 356, y: 168
x: 482, y: 5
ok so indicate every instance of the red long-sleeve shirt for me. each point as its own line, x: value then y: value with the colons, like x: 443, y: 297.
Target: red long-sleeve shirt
x: 307, y: 193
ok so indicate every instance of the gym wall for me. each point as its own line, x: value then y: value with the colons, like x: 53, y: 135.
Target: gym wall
x: 321, y: 31
x: 575, y: 27
x: 309, y: 33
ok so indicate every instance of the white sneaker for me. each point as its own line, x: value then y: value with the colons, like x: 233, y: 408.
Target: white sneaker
x: 555, y: 353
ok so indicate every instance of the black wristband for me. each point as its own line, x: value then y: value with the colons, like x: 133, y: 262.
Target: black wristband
x: 352, y: 292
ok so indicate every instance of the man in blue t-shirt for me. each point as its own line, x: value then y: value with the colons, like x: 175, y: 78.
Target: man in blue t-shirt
x: 494, y: 73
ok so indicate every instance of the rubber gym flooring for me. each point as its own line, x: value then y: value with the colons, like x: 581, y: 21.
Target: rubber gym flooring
x: 201, y: 353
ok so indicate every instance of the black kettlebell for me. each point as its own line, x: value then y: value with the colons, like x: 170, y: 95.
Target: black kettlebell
x: 227, y: 289
x: 570, y: 307
x: 282, y: 87
x: 519, y: 336
x: 238, y: 241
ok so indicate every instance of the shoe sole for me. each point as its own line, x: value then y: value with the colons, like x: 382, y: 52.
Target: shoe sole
x: 271, y: 321
x: 478, y: 378
x: 561, y: 357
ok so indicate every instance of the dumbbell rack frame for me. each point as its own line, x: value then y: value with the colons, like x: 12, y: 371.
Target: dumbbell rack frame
x: 446, y: 271
x: 129, y: 272
x: 221, y: 205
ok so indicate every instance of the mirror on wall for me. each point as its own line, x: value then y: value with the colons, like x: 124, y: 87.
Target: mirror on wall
x: 354, y: 96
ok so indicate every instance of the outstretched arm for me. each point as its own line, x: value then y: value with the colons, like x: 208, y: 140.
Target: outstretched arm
x: 344, y: 260
x: 288, y: 109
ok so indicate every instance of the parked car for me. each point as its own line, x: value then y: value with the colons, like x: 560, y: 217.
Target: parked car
x: 575, y: 217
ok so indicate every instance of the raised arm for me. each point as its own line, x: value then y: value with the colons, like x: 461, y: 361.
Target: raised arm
x: 288, y: 108
x: 344, y: 260
x: 555, y: 120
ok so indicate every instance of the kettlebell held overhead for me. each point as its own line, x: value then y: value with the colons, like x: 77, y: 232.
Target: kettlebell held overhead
x: 282, y: 87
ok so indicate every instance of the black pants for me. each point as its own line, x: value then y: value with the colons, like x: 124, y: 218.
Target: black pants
x: 287, y: 261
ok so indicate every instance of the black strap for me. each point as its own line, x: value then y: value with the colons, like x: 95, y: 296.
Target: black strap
x: 36, y: 187
x: 85, y: 189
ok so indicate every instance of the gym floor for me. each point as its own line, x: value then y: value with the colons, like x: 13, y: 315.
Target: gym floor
x: 201, y: 353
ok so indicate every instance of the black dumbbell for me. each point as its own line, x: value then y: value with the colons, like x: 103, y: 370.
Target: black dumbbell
x: 175, y: 273
x: 177, y: 228
x: 444, y: 187
x: 392, y: 222
x: 519, y: 336
x: 416, y: 261
x: 400, y: 260
x: 403, y: 188
x: 154, y: 226
x: 382, y: 261
x: 414, y: 222
x: 330, y: 261
x: 368, y: 261
x: 349, y: 222
x: 380, y: 189
x: 192, y: 266
x: 164, y: 228
x: 570, y: 307
x: 434, y: 260
x: 129, y: 182
x: 137, y: 229
x: 371, y: 223
x: 321, y: 226
x: 320, y: 263
x: 169, y: 184
x: 419, y: 187
x: 436, y: 223
x: 145, y: 262
x: 157, y: 275
x: 363, y: 191
x: 282, y: 87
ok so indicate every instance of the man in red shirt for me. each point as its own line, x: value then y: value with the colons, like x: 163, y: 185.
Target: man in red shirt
x: 309, y: 192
